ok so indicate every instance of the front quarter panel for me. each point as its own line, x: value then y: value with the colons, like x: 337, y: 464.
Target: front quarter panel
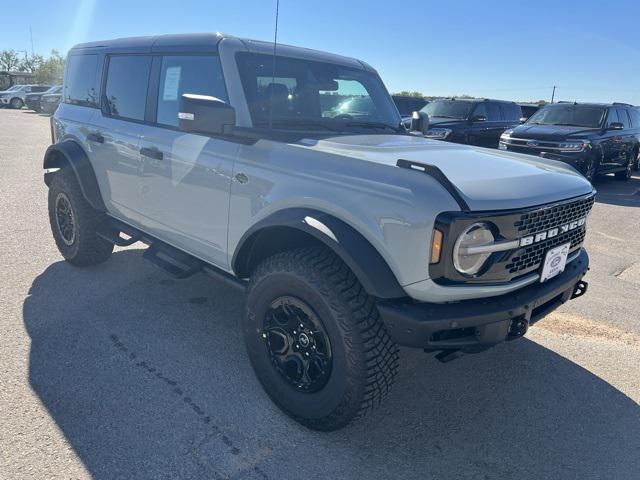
x: 393, y: 208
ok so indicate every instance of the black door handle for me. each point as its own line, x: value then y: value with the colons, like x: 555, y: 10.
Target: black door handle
x: 152, y: 153
x: 95, y: 137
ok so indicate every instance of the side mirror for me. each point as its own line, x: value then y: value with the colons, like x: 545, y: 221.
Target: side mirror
x: 205, y: 114
x: 522, y: 120
x: 478, y: 118
x: 616, y: 126
x: 419, y: 122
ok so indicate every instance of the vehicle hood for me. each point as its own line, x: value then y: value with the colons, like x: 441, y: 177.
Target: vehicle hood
x: 486, y: 179
x: 551, y: 132
x: 445, y: 122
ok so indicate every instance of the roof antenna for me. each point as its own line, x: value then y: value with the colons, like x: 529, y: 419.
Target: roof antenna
x: 273, y: 71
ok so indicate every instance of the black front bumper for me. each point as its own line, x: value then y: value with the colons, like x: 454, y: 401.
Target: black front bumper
x: 474, y: 325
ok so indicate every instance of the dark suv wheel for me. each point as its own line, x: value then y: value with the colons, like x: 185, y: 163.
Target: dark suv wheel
x: 316, y: 340
x: 16, y: 103
x: 590, y: 167
x: 626, y: 173
x: 74, y: 222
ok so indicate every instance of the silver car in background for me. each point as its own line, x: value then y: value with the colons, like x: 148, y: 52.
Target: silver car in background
x: 14, y: 97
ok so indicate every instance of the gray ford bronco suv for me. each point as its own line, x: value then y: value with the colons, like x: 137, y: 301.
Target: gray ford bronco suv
x: 349, y: 234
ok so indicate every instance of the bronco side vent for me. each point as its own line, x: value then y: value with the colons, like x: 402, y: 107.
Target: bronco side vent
x: 439, y: 176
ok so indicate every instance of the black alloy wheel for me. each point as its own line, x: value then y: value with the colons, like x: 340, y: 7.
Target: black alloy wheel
x: 65, y: 219
x: 298, y: 344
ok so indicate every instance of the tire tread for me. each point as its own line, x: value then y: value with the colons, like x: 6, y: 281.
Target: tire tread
x: 373, y: 355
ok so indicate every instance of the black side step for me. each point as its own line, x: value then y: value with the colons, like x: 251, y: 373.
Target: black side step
x: 112, y: 233
x: 173, y: 261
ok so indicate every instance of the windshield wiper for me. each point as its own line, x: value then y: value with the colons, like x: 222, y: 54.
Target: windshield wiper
x: 301, y: 123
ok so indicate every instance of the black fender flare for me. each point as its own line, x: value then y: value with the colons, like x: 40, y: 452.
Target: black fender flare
x: 68, y: 152
x: 353, y: 248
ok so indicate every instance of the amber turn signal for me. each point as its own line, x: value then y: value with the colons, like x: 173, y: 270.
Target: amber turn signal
x: 436, y: 246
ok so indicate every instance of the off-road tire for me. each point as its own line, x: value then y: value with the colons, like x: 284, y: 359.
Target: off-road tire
x: 365, y: 359
x: 86, y: 247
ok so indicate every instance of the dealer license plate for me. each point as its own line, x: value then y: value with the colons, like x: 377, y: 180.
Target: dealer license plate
x: 554, y: 262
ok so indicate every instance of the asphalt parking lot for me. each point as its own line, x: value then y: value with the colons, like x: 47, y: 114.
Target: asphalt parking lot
x: 117, y: 371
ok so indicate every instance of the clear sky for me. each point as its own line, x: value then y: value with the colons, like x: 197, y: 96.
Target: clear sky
x: 503, y: 49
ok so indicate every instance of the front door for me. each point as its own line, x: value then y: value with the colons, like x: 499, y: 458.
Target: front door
x: 185, y: 178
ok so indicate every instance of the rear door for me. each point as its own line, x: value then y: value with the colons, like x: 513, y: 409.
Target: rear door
x: 117, y: 127
x: 186, y: 177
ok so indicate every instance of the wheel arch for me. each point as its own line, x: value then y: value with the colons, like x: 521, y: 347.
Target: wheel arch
x: 69, y: 153
x: 297, y: 227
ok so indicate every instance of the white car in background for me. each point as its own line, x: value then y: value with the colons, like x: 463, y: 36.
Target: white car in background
x: 14, y: 97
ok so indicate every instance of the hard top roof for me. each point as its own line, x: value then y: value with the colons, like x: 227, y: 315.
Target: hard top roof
x: 207, y: 42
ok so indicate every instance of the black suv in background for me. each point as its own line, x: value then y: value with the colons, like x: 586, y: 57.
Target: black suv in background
x: 595, y: 138
x: 471, y: 121
x: 407, y: 105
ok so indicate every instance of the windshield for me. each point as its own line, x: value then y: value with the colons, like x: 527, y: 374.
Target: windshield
x: 569, y: 115
x: 449, y: 109
x: 311, y: 95
x: 15, y: 87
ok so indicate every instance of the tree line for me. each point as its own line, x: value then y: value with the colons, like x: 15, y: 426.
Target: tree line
x: 47, y: 70
x: 407, y: 93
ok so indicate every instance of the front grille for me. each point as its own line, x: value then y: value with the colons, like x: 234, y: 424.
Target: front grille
x: 550, y: 217
x: 539, y: 144
x: 506, y: 266
x: 531, y: 257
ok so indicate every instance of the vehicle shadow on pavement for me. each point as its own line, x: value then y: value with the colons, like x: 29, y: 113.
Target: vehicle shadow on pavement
x: 147, y: 378
x: 616, y: 192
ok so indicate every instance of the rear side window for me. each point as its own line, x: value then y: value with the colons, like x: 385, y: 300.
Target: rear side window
x: 126, y: 87
x: 493, y: 112
x: 40, y: 88
x: 201, y: 75
x: 510, y: 111
x: 634, y: 113
x: 624, y: 118
x: 80, y: 81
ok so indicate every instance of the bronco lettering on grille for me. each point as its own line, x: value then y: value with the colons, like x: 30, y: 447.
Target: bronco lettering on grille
x: 539, y: 237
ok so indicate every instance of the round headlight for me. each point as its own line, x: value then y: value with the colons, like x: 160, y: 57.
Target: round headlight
x: 465, y: 259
